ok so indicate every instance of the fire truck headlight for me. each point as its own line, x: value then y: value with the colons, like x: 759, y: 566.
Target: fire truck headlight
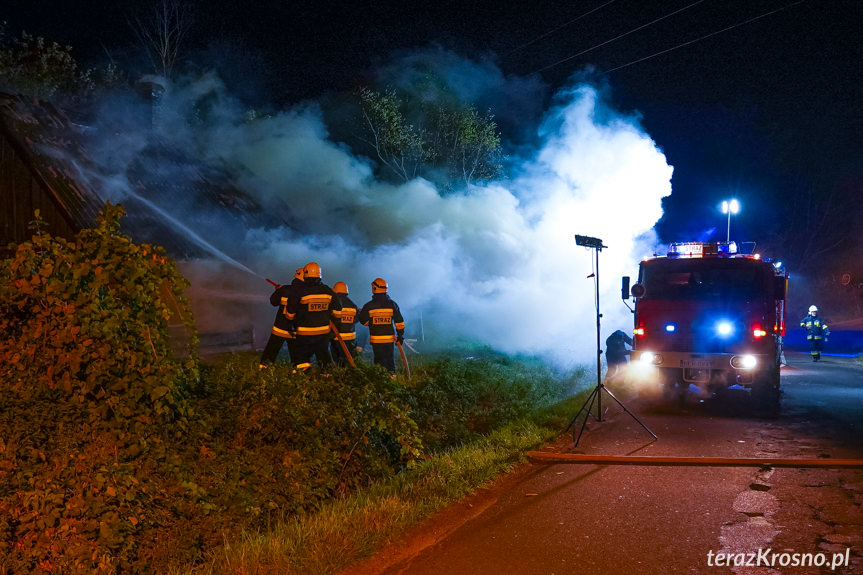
x: 650, y: 358
x: 724, y: 328
x: 744, y: 361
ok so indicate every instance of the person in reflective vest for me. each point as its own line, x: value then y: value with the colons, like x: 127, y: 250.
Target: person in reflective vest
x: 816, y: 332
x: 345, y: 324
x: 386, y: 325
x: 283, y: 328
x: 312, y: 309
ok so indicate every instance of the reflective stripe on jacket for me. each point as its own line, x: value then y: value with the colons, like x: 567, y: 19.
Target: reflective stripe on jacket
x: 282, y: 324
x: 314, y: 306
x: 815, y: 327
x: 347, y: 318
x: 383, y: 318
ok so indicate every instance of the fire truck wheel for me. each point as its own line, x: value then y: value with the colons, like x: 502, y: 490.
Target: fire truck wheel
x: 766, y: 393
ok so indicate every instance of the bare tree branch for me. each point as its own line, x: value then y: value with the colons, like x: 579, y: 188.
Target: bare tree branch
x: 162, y: 31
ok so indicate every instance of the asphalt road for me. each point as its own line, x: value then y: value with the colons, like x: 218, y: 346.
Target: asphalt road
x: 556, y: 519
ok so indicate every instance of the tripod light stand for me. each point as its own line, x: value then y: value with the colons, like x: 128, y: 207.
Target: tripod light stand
x: 596, y: 394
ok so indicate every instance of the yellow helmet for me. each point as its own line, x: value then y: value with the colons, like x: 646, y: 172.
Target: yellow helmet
x: 312, y: 270
x: 299, y: 274
x: 340, y: 287
x: 379, y: 286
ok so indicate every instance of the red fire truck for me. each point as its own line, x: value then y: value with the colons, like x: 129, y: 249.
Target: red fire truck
x: 710, y: 316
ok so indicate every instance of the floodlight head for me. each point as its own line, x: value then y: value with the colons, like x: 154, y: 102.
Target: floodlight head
x: 730, y: 207
x: 589, y: 242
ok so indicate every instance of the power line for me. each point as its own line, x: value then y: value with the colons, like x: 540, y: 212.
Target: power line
x: 743, y: 23
x: 619, y: 37
x: 550, y: 32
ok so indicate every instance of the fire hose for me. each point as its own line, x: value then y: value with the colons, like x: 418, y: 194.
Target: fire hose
x: 404, y: 360
x: 342, y: 343
x: 693, y: 461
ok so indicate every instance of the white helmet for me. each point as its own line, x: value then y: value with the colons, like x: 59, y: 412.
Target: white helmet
x: 812, y: 309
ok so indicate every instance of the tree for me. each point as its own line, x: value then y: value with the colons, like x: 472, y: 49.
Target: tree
x: 42, y: 68
x: 162, y: 31
x: 398, y: 145
x: 453, y: 143
x: 466, y: 143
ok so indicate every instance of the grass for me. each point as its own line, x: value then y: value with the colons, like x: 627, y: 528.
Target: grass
x: 349, y: 530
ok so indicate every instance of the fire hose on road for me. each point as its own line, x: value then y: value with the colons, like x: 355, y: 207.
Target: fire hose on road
x: 658, y: 460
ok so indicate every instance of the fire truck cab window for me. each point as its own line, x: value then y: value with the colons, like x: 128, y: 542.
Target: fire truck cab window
x: 684, y: 280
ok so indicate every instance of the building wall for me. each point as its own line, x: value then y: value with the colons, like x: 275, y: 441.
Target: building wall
x: 21, y: 194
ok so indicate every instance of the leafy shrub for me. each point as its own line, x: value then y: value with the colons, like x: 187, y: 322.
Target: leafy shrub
x: 41, y: 68
x: 90, y: 401
x: 279, y: 442
x: 455, y: 400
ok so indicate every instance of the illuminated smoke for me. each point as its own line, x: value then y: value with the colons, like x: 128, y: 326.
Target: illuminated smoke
x: 496, y: 263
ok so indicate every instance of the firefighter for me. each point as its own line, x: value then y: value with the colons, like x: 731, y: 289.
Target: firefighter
x: 283, y: 328
x: 816, y: 332
x: 386, y: 324
x: 312, y: 309
x: 345, y: 324
x: 616, y: 352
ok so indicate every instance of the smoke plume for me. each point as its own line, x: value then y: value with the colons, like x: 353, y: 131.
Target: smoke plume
x: 496, y: 263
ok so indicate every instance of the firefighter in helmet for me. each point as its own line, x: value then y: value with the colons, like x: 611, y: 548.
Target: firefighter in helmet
x: 312, y: 310
x: 283, y: 328
x: 386, y: 324
x: 816, y: 332
x: 345, y: 324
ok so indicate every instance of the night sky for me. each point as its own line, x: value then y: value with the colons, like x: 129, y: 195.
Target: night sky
x: 758, y: 99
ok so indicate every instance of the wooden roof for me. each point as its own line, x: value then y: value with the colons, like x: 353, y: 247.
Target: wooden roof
x: 166, y: 192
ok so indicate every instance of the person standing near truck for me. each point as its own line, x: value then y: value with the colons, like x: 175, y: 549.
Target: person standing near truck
x: 816, y: 332
x: 616, y: 352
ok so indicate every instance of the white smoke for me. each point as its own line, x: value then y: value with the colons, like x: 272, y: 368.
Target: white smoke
x: 495, y: 263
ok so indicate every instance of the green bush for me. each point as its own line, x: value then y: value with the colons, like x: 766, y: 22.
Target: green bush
x: 456, y: 400
x: 90, y: 401
x: 279, y: 442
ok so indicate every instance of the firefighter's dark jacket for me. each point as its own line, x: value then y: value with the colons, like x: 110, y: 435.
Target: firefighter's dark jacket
x: 816, y: 328
x: 282, y: 326
x: 615, y: 346
x: 384, y: 319
x: 347, y: 318
x: 313, y: 307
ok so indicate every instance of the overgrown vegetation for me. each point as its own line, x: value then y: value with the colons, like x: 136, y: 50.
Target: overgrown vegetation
x: 455, y: 401
x: 91, y: 404
x: 282, y: 442
x: 434, y: 136
x: 346, y: 531
x: 119, y: 453
x: 42, y: 68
